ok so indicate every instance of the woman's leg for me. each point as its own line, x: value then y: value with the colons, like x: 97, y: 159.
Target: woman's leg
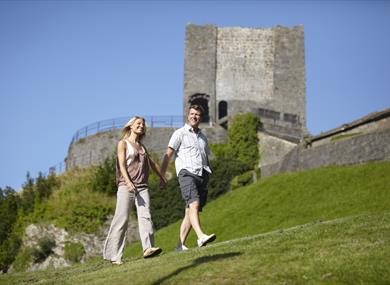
x: 116, y: 238
x: 145, y: 224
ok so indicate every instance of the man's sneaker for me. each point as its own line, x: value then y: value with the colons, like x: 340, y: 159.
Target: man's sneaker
x: 205, y: 239
x: 181, y: 247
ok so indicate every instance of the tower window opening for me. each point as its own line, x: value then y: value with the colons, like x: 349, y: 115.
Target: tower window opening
x: 222, y: 109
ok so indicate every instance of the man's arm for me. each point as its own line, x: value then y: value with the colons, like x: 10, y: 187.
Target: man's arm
x: 167, y: 157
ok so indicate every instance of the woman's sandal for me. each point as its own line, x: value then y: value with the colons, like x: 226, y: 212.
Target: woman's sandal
x: 116, y: 262
x: 152, y: 251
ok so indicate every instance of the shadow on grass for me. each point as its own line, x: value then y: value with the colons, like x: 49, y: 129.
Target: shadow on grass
x: 197, y: 262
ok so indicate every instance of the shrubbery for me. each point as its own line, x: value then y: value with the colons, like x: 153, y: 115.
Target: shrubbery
x: 23, y: 259
x: 167, y: 205
x: 8, y: 250
x: 224, y: 169
x: 104, y: 180
x: 86, y: 218
x: 43, y: 250
x: 242, y: 180
x: 16, y: 209
x: 74, y: 252
x: 243, y: 140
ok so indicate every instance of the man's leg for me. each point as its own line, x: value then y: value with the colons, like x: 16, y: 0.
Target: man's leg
x: 185, y: 227
x: 194, y: 218
x: 203, y: 239
x: 189, y: 184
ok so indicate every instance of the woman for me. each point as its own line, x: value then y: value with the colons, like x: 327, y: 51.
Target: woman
x: 132, y: 172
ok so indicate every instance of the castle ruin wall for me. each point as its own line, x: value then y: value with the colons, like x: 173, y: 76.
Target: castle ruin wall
x: 363, y: 148
x: 93, y: 150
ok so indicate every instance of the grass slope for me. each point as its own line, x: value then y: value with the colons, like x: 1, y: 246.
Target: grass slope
x: 272, y: 232
x: 352, y: 250
x: 290, y: 199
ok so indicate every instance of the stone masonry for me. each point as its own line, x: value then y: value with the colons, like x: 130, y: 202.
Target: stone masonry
x: 93, y: 150
x: 260, y: 70
x: 364, y: 140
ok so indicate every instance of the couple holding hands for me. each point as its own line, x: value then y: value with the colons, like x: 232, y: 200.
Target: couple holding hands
x: 189, y: 147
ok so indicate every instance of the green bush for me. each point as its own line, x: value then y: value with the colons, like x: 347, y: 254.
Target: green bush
x: 46, y: 244
x: 167, y: 205
x: 224, y: 170
x: 242, y: 180
x: 43, y: 250
x: 220, y: 151
x: 8, y: 250
x: 37, y: 255
x: 243, y: 140
x: 73, y: 252
x: 23, y: 259
x: 104, y: 179
x: 86, y: 218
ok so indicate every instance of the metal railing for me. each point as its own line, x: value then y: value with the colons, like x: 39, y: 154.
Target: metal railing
x: 114, y: 124
x: 118, y: 123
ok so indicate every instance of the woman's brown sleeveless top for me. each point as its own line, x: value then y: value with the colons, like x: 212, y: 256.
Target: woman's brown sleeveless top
x: 137, y: 163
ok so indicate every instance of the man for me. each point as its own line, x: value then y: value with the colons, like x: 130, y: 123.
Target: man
x: 190, y: 148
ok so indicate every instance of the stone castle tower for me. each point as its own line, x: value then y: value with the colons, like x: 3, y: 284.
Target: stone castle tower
x: 232, y: 70
x: 227, y: 71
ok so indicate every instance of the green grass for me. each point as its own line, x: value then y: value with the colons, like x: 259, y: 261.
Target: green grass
x: 352, y: 250
x: 324, y: 226
x: 290, y: 199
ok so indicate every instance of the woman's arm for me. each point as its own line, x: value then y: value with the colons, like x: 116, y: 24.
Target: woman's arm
x: 156, y: 168
x: 122, y: 165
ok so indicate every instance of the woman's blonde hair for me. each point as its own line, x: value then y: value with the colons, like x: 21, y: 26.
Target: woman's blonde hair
x: 126, y: 130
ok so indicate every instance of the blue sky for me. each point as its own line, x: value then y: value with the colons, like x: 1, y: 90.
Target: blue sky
x: 66, y: 64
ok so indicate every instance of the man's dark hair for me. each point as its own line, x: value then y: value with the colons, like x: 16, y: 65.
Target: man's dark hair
x: 198, y: 108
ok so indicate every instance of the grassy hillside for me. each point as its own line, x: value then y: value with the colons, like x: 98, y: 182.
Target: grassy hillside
x: 290, y: 199
x: 75, y: 206
x: 353, y: 250
x: 324, y: 226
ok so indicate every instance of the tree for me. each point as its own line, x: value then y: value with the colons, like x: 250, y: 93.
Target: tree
x: 44, y: 186
x: 28, y: 195
x: 8, y: 211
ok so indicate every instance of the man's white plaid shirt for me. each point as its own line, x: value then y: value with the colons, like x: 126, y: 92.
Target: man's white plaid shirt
x: 191, y: 150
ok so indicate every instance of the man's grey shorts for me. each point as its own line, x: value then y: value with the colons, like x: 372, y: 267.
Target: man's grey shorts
x: 193, y: 187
